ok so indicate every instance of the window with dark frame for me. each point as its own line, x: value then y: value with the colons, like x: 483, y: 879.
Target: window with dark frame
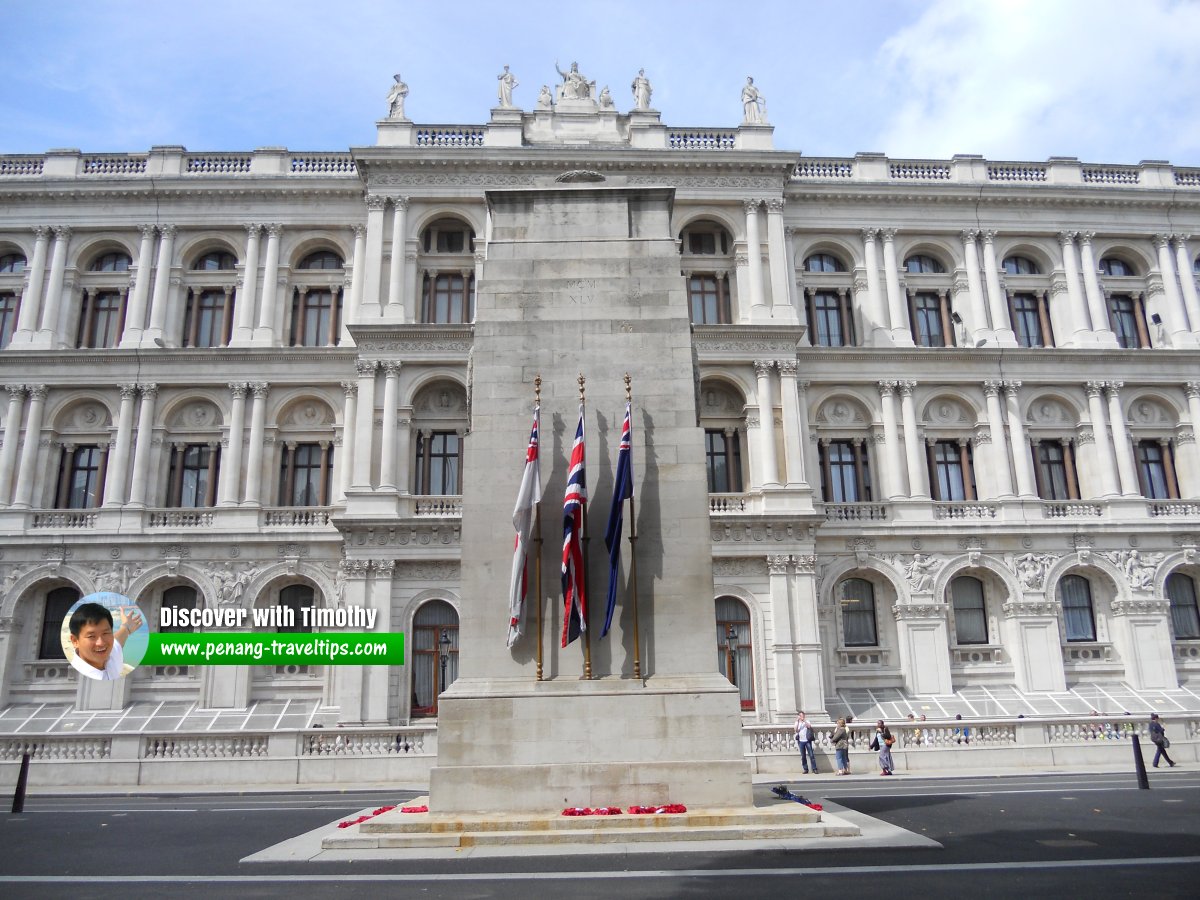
x: 951, y: 472
x: 12, y: 263
x: 101, y: 319
x: 179, y: 598
x: 1054, y: 470
x: 1127, y: 316
x: 216, y: 261
x: 192, y: 477
x: 845, y: 471
x: 434, y: 634
x: 81, y: 477
x: 970, y: 610
x: 111, y: 262
x: 297, y: 597
x: 1156, y: 470
x: 10, y: 306
x: 724, y: 458
x: 1079, y: 619
x: 316, y: 317
x: 830, y: 319
x: 304, y: 474
x: 919, y: 264
x: 1115, y: 267
x: 1185, y: 616
x: 1021, y: 265
x: 439, y: 463
x: 735, y: 659
x: 208, y: 318
x: 708, y: 297
x: 1031, y: 320
x: 447, y: 298
x: 930, y: 314
x: 823, y: 262
x: 58, y: 603
x: 858, y: 613
x: 325, y: 260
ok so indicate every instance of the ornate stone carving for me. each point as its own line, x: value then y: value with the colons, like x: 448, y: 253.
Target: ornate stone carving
x: 904, y: 611
x: 778, y: 565
x: 920, y: 572
x: 1141, y: 607
x: 1043, y: 608
x: 1139, y: 567
x: 739, y: 566
x: 1032, y: 568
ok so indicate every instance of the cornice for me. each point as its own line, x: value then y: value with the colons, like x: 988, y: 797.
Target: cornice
x: 1041, y: 195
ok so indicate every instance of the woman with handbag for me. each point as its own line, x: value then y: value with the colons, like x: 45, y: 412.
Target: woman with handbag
x: 882, y: 741
x: 841, y: 747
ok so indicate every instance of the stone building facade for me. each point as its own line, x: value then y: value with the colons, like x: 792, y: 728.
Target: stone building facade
x: 948, y: 408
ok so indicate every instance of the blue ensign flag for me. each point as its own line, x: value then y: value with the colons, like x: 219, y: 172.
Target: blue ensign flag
x: 622, y: 491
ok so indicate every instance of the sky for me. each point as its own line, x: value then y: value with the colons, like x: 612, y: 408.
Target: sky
x: 1107, y: 81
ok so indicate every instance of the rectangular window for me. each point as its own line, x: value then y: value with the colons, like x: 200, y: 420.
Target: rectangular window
x: 723, y: 454
x: 304, y: 475
x: 101, y: 319
x: 1128, y: 320
x: 58, y: 602
x: 1078, y: 619
x: 1054, y: 470
x: 858, y: 613
x: 81, y: 478
x: 930, y: 315
x: 950, y: 470
x: 1156, y: 470
x: 830, y: 320
x: 448, y: 298
x: 708, y: 297
x: 208, y: 319
x: 845, y: 474
x: 439, y: 455
x: 316, y: 318
x: 1030, y: 320
x: 701, y: 242
x: 9, y: 306
x: 193, y: 475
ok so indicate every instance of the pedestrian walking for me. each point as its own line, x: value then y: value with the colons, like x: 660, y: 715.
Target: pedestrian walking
x: 882, y: 742
x: 1158, y: 736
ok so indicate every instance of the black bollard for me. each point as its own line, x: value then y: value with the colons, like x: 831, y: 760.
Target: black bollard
x: 1140, y: 765
x: 22, y: 779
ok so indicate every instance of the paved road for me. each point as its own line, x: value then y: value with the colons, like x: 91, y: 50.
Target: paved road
x: 1028, y: 836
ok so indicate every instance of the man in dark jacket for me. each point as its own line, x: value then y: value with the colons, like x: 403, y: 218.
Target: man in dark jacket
x: 1158, y: 735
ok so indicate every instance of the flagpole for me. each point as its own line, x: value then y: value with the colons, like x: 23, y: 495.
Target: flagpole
x: 587, y: 632
x: 637, y: 644
x: 537, y: 541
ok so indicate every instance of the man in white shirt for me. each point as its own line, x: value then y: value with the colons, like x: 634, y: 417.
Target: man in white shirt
x: 804, y: 740
x: 98, y: 651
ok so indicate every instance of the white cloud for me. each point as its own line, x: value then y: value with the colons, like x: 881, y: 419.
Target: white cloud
x: 1026, y: 80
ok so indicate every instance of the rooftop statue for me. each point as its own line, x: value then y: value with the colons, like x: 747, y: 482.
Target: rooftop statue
x: 606, y: 100
x: 545, y: 100
x: 754, y: 104
x: 575, y: 86
x: 395, y: 98
x: 641, y: 90
x: 504, y: 91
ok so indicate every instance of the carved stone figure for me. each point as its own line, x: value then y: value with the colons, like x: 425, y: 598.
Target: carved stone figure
x: 1138, y: 567
x: 545, y: 99
x: 504, y: 90
x: 395, y: 98
x: 641, y: 90
x: 1031, y: 570
x: 920, y: 572
x: 575, y: 86
x: 754, y: 104
x: 606, y: 100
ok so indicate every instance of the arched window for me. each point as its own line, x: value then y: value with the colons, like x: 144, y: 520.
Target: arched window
x: 1021, y: 265
x: 734, y: 656
x: 321, y: 259
x: 181, y: 597
x: 1079, y: 618
x: 448, y: 236
x: 1116, y: 267
x: 434, y: 655
x: 58, y: 602
x: 710, y: 298
x: 297, y: 597
x: 824, y: 262
x: 858, y: 613
x: 11, y: 263
x: 10, y: 310
x: 970, y: 612
x: 704, y: 239
x: 216, y: 261
x: 920, y: 264
x: 111, y: 262
x: 1185, y: 618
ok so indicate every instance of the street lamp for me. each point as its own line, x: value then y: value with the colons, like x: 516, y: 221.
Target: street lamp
x: 731, y: 645
x: 443, y: 658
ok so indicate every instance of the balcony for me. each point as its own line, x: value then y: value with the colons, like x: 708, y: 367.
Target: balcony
x: 856, y: 512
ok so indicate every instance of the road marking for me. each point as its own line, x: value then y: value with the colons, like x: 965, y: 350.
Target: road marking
x: 607, y: 874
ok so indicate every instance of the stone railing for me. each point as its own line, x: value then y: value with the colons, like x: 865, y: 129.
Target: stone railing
x: 218, y: 163
x: 702, y: 138
x: 179, y: 518
x: 216, y: 746
x: 437, y: 506
x: 1071, y: 510
x: 1016, y: 172
x: 46, y: 747
x: 919, y: 171
x: 115, y: 164
x: 72, y: 520
x: 856, y: 512
x: 728, y: 504
x: 1187, y: 177
x: 823, y: 168
x: 323, y: 164
x: 294, y: 517
x: 388, y: 742
x: 1161, y: 508
x: 964, y: 510
x: 21, y: 166
x: 450, y: 135
x: 1111, y: 175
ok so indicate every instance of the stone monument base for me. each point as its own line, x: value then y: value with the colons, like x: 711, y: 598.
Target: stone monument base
x: 607, y: 742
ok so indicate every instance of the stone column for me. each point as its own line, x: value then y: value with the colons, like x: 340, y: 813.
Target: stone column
x: 789, y: 251
x: 997, y: 300
x: 247, y: 292
x: 759, y: 311
x: 118, y: 461
x: 231, y: 466
x: 1033, y: 638
x: 808, y: 634
x: 387, y: 443
x: 793, y: 432
x: 999, y: 451
x: 365, y: 426
x: 135, y: 318
x: 1176, y: 316
x: 1097, y: 308
x: 979, y: 316
x: 766, y: 415
x: 31, y: 297
x: 395, y: 303
x: 162, y: 285
x: 48, y: 334
x: 1100, y: 433
x: 780, y: 265
x: 914, y: 450
x: 783, y: 615
x: 412, y: 292
x: 878, y: 310
x: 348, y: 687
x: 142, y: 447
x: 1075, y: 297
x: 894, y: 487
x: 375, y: 678
x: 404, y: 456
x: 269, y: 300
x: 1019, y: 446
x: 924, y: 641
x: 897, y: 316
x: 12, y: 435
x: 1187, y: 465
x: 26, y: 472
x: 1187, y: 281
x: 371, y: 307
x: 358, y: 273
x: 258, y: 433
x: 345, y: 456
x: 1126, y: 468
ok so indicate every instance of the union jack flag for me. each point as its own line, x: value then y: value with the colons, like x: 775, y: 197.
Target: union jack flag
x: 574, y: 502
x: 528, y: 498
x: 622, y: 491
